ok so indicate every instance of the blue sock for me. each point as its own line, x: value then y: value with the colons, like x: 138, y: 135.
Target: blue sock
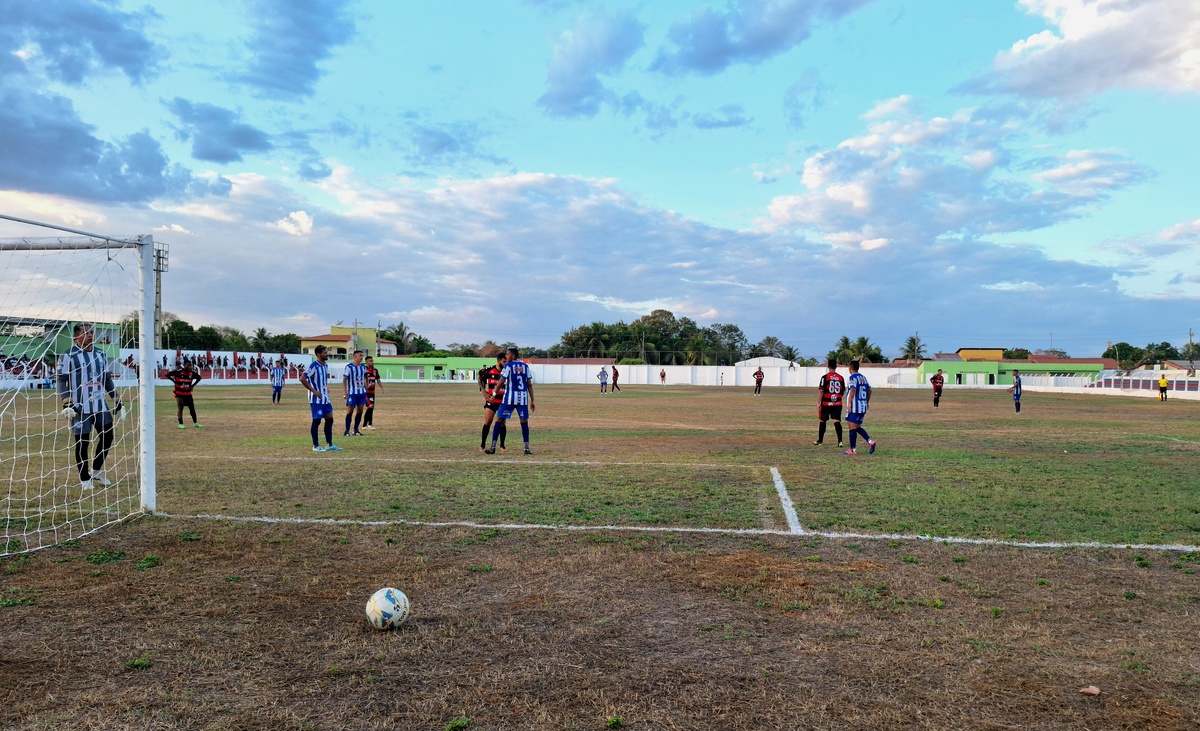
x: 853, y: 438
x: 316, y: 423
x: 864, y: 433
x: 525, y: 433
x: 357, y: 419
x: 329, y: 431
x: 496, y: 427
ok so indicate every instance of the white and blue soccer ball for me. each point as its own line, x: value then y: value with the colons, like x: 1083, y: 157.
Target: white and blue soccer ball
x: 387, y: 608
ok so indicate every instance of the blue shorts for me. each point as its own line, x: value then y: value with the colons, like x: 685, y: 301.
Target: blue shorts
x: 87, y: 421
x: 1016, y: 397
x: 356, y: 399
x: 854, y: 418
x: 320, y: 411
x: 507, y: 409
x: 277, y: 389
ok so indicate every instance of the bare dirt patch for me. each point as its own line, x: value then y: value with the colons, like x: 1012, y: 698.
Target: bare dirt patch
x: 260, y: 626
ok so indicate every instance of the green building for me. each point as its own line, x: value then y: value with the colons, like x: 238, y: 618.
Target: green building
x: 430, y: 369
x: 999, y: 373
x: 42, y: 338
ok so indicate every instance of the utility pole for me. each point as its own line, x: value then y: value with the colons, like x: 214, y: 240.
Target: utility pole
x: 160, y: 266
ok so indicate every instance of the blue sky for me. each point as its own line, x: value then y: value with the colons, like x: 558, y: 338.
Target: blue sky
x: 991, y: 173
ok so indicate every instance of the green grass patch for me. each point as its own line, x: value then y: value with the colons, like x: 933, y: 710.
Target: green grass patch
x: 1070, y: 468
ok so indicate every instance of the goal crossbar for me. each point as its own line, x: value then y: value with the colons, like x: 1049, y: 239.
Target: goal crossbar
x: 64, y: 243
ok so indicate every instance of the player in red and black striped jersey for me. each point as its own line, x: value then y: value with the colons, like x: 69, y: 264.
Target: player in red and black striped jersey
x: 829, y: 406
x: 372, y: 380
x: 938, y: 381
x: 493, y: 396
x: 185, y: 379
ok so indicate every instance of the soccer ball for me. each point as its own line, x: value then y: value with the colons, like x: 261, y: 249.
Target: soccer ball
x: 387, y: 608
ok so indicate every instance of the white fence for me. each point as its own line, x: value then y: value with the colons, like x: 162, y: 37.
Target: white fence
x: 1142, y: 384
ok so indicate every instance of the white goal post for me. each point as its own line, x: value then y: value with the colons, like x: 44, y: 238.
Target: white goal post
x: 68, y: 472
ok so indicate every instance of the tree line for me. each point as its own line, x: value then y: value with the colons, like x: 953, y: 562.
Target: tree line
x: 659, y: 338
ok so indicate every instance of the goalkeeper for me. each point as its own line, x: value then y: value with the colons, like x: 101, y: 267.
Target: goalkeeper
x: 84, y: 381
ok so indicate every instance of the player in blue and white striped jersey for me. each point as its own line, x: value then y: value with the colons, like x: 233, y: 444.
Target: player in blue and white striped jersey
x: 84, y: 383
x: 278, y: 377
x: 316, y: 381
x: 354, y: 384
x: 858, y: 397
x: 517, y: 382
x: 1015, y: 390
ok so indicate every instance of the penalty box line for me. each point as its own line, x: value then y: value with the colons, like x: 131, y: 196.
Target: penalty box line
x: 515, y: 461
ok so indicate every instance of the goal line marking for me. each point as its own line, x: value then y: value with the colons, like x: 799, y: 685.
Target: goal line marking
x: 668, y: 529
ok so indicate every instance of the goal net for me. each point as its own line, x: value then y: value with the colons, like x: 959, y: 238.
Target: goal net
x: 72, y: 310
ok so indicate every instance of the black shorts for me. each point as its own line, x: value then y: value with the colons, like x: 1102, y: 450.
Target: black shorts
x: 185, y: 400
x: 937, y: 390
x: 831, y: 412
x: 370, y: 400
x: 491, y: 406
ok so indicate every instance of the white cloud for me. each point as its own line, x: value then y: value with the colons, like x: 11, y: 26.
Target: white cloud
x: 911, y: 181
x: 1189, y: 230
x: 296, y: 223
x: 1095, y: 46
x: 173, y: 228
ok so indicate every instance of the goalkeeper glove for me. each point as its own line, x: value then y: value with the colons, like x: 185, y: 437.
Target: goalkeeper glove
x: 69, y: 408
x: 120, y: 410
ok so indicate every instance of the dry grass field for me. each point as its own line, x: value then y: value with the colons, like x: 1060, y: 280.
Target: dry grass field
x: 633, y: 612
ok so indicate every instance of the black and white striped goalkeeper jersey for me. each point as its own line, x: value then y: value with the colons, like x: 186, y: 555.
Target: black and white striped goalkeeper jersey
x: 83, y: 377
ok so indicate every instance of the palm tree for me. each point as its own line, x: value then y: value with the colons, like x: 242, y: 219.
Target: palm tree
x: 261, y: 340
x: 787, y: 352
x: 865, y: 351
x: 862, y: 350
x: 771, y: 346
x: 694, y: 350
x: 401, y: 335
x: 913, y: 348
x: 595, y: 340
x: 841, y: 351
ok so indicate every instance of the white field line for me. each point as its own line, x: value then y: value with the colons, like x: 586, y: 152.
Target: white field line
x: 514, y: 461
x: 1169, y: 439
x: 666, y: 529
x: 785, y: 500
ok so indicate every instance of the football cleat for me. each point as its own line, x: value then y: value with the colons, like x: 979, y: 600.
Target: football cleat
x: 333, y: 448
x: 850, y: 453
x: 318, y: 449
x: 181, y: 426
x: 85, y: 484
x: 872, y: 449
x: 98, y: 476
x: 528, y: 452
x: 817, y: 443
x: 198, y: 426
x: 490, y: 450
